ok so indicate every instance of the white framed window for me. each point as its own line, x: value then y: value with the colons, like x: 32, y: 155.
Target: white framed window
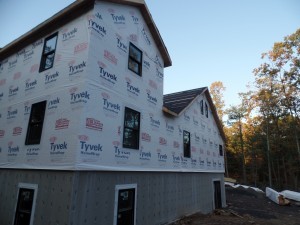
x: 25, y: 206
x: 125, y: 204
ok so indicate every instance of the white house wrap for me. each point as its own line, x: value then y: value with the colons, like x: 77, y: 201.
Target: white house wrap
x: 98, y: 61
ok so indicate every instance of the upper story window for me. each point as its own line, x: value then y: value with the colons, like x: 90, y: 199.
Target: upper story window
x: 48, y: 53
x: 206, y: 110
x: 186, y: 144
x: 220, y: 150
x: 35, y: 124
x: 201, y: 107
x: 131, y: 134
x: 135, y: 59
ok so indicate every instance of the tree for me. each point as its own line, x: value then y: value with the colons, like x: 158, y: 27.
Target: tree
x: 235, y: 115
x: 216, y: 90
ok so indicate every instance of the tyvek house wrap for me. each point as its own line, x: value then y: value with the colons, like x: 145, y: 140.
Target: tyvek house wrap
x: 87, y: 91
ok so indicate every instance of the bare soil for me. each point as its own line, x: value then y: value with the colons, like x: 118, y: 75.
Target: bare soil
x: 246, y: 206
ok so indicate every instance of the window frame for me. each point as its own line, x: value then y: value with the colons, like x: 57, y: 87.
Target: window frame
x: 136, y: 131
x: 46, y: 54
x: 19, y: 211
x: 186, y: 148
x: 118, y: 188
x: 134, y: 60
x: 30, y: 139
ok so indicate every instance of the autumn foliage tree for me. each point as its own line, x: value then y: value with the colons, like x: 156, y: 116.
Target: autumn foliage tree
x: 270, y: 128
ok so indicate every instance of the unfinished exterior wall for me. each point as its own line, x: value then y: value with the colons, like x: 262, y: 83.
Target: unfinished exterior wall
x: 81, y: 155
x: 79, y: 198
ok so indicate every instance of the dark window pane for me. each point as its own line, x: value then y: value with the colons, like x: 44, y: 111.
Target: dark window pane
x: 135, y: 59
x: 220, y: 150
x: 50, y: 45
x: 134, y: 66
x: 135, y: 53
x: 131, y: 129
x: 49, y: 61
x: 25, y: 199
x: 186, y: 144
x: 35, y: 124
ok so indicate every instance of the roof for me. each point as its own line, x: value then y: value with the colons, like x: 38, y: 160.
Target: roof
x: 75, y: 10
x: 176, y: 103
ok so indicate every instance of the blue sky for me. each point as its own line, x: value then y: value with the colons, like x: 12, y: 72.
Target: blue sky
x: 208, y: 40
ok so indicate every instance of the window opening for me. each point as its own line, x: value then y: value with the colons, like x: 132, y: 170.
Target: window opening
x: 135, y: 59
x: 48, y: 53
x: 35, y: 124
x: 206, y: 110
x: 125, y: 204
x: 25, y: 204
x: 186, y: 144
x: 131, y: 132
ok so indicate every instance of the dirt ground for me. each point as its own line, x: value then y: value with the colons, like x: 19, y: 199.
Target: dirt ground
x: 246, y: 206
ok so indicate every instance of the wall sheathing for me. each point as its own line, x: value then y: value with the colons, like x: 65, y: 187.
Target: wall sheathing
x: 77, y: 198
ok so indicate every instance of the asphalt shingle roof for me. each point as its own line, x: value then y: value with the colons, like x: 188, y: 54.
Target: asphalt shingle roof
x: 177, y: 102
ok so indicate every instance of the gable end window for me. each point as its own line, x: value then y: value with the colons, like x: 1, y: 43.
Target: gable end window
x: 135, y: 59
x: 35, y: 124
x: 220, y: 150
x: 206, y: 110
x: 131, y: 133
x: 186, y: 144
x: 201, y: 107
x: 48, y: 53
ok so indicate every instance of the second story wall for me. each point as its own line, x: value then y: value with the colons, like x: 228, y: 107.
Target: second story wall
x: 115, y: 31
x: 29, y: 73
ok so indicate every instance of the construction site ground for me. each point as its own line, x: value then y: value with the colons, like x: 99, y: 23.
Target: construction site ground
x: 246, y: 206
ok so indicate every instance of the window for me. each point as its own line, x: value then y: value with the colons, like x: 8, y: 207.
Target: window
x: 35, y: 124
x: 26, y: 204
x: 48, y: 53
x: 125, y: 204
x: 201, y: 107
x: 186, y: 144
x: 206, y: 110
x: 220, y: 150
x: 131, y: 134
x: 135, y: 59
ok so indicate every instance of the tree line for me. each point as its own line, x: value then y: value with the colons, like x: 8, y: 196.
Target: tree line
x: 262, y: 131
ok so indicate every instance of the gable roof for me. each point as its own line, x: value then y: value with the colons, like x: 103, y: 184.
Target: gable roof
x: 75, y: 10
x: 176, y: 103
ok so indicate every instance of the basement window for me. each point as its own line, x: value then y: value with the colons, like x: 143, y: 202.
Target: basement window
x: 35, y: 124
x: 25, y: 207
x: 131, y: 134
x: 135, y: 59
x: 48, y: 53
x: 186, y: 144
